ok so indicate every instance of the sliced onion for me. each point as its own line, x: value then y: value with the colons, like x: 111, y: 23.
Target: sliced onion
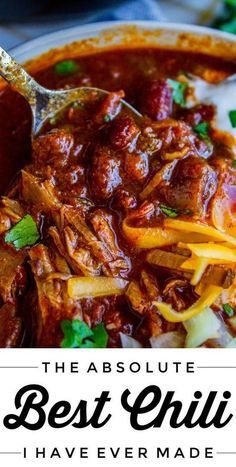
x: 173, y: 339
x: 225, y: 337
x: 209, y: 296
x: 129, y: 342
x: 202, y: 327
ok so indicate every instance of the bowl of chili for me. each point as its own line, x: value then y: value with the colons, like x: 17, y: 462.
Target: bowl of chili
x: 116, y: 232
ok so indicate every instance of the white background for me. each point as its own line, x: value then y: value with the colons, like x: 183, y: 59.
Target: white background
x: 118, y: 432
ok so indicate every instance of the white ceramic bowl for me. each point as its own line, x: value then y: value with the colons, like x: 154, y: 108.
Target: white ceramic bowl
x: 131, y: 34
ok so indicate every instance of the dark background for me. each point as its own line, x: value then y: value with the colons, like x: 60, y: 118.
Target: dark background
x: 27, y: 9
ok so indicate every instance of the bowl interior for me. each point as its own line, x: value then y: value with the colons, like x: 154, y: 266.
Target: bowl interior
x: 87, y: 39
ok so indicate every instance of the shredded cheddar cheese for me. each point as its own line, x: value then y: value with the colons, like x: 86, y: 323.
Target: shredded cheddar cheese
x: 213, y: 251
x: 82, y: 287
x: 195, y: 227
x: 206, y: 300
x: 201, y: 265
x: 154, y: 237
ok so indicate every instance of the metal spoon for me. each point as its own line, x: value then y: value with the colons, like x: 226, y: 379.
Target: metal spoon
x: 222, y: 95
x: 44, y: 102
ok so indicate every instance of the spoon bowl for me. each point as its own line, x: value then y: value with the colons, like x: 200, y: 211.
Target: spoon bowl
x: 46, y: 103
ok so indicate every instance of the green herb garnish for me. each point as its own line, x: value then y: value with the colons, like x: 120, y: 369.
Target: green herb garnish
x: 174, y: 212
x: 178, y: 91
x: 226, y: 21
x: 230, y: 26
x: 231, y: 3
x: 67, y: 67
x: 202, y: 130
x: 228, y: 309
x: 77, y: 334
x: 24, y: 233
x: 232, y: 117
x: 168, y: 211
x: 107, y: 118
x: 234, y: 163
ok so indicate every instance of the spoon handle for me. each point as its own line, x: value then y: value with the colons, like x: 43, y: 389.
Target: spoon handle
x: 18, y: 78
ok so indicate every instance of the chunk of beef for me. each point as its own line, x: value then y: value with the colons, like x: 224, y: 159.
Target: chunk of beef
x: 73, y: 186
x: 179, y: 293
x: 81, y: 257
x: 109, y: 107
x: 40, y: 194
x: 176, y: 140
x: 124, y: 200
x: 122, y: 132
x: 192, y: 185
x: 156, y: 99
x: 143, y: 213
x: 216, y: 275
x: 83, y: 250
x: 136, y: 166
x: 105, y: 173
x: 53, y: 302
x: 137, y: 298
x: 85, y: 235
x: 150, y: 284
x: 149, y: 141
x: 102, y: 223
x: 53, y: 148
x: 141, y: 295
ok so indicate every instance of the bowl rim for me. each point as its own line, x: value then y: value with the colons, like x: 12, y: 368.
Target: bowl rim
x: 56, y: 39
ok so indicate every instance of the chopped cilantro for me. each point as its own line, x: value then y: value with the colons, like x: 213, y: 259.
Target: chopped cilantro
x: 226, y: 21
x: 168, y: 211
x: 234, y: 163
x: 174, y: 212
x: 66, y: 67
x: 107, y: 118
x: 230, y: 26
x: 77, y: 334
x: 202, y: 129
x: 228, y: 309
x: 231, y: 3
x: 232, y: 117
x: 178, y: 91
x: 24, y: 233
